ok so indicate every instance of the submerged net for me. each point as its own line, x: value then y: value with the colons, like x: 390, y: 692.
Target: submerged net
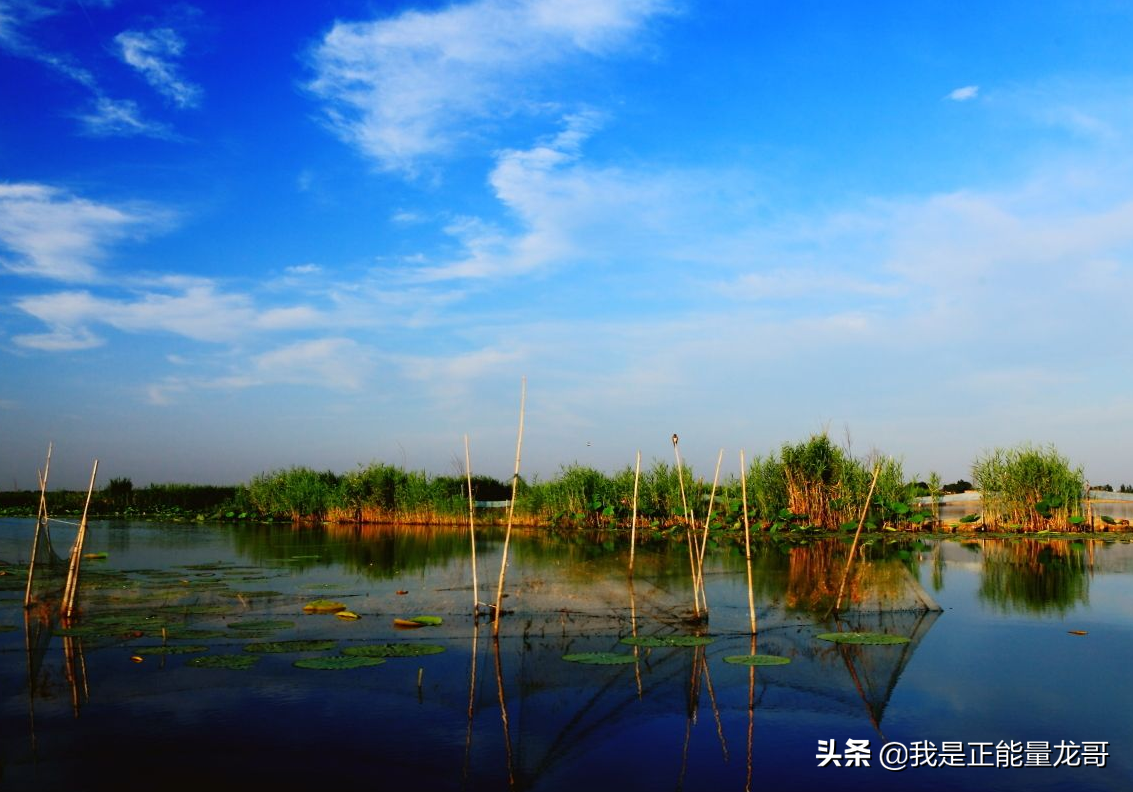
x: 47, y: 570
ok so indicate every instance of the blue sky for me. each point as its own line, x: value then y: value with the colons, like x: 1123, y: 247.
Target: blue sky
x: 236, y: 237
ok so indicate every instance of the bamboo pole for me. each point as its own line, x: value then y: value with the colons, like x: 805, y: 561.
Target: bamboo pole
x: 40, y: 522
x: 857, y: 535
x: 472, y: 530
x: 510, y: 510
x: 747, y: 541
x: 72, y: 584
x: 704, y: 536
x: 688, y: 527
x: 633, y: 521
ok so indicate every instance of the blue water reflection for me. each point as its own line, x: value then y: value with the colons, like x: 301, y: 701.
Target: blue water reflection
x: 995, y: 673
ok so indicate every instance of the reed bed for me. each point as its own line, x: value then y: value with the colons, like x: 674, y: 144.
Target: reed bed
x: 1029, y: 488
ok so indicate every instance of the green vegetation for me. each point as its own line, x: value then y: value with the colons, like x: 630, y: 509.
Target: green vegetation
x: 1034, y: 488
x: 814, y: 484
x: 867, y: 638
x: 757, y: 660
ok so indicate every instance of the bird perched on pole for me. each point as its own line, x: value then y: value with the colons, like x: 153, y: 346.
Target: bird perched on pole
x: 675, y: 438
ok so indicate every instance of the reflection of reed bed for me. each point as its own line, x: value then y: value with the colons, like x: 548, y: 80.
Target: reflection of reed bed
x: 1036, y: 576
x: 815, y: 574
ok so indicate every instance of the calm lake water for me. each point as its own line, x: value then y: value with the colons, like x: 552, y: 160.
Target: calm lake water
x: 993, y: 673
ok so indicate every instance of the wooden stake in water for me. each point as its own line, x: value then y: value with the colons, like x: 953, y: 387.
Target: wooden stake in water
x: 472, y: 530
x: 747, y: 543
x: 40, y: 524
x: 633, y: 521
x: 857, y: 535
x: 72, y: 584
x: 704, y: 536
x: 688, y: 527
x: 510, y: 510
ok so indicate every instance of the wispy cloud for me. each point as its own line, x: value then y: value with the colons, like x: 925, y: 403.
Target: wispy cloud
x: 964, y: 94
x: 108, y: 116
x: 154, y: 54
x: 51, y: 233
x: 334, y: 363
x: 121, y: 118
x: 191, y: 308
x: 413, y: 85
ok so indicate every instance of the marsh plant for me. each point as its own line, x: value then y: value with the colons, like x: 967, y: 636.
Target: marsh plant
x: 1029, y: 488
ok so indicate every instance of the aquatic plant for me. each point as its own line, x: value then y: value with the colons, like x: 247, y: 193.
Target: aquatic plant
x: 337, y: 663
x: 667, y: 640
x: 600, y: 658
x: 868, y: 638
x: 757, y: 660
x: 393, y: 650
x: 277, y: 647
x: 230, y: 661
x: 1033, y: 487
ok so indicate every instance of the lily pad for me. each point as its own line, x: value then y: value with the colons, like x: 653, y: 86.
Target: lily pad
x: 261, y: 625
x: 193, y: 634
x: 426, y: 620
x: 600, y: 658
x: 393, y: 650
x: 275, y: 647
x: 757, y: 660
x: 230, y: 661
x: 667, y: 640
x: 872, y: 638
x: 339, y: 663
x: 170, y: 650
x: 7, y: 628
x: 348, y: 615
x: 323, y: 606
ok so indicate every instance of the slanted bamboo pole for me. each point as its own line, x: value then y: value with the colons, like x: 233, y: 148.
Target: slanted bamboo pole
x: 688, y: 527
x: 40, y: 523
x: 747, y: 542
x: 857, y: 535
x: 704, y: 536
x: 72, y: 584
x: 472, y: 530
x: 633, y: 520
x: 510, y: 511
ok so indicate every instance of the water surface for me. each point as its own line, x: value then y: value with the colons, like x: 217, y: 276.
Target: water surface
x: 993, y: 672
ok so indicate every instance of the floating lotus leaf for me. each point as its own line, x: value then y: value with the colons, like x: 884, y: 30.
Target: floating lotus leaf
x: 231, y: 661
x: 199, y: 610
x: 757, y: 660
x: 168, y: 650
x: 189, y: 633
x: 600, y: 658
x: 348, y: 615
x: 667, y: 640
x: 261, y: 625
x: 339, y: 663
x: 323, y: 606
x: 7, y: 628
x: 427, y: 620
x: 275, y: 647
x: 393, y: 650
x: 863, y: 638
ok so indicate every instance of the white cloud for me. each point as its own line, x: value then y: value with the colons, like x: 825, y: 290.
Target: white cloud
x: 190, y: 308
x: 965, y: 93
x: 412, y: 85
x: 152, y: 54
x: 54, y: 234
x: 337, y: 363
x: 121, y: 118
x: 109, y: 117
